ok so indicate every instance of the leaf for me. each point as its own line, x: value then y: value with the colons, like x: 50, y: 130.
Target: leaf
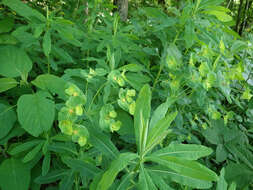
x: 51, y: 177
x: 125, y: 182
x: 145, y: 181
x: 35, y: 113
x: 7, y: 83
x: 221, y: 15
x: 52, y: 83
x: 67, y: 182
x: 6, y: 24
x: 136, y: 80
x: 161, y: 111
x: 239, y: 173
x: 47, y: 43
x: 181, y: 178
x: 221, y: 183
x: 24, y: 146
x: 158, y: 132
x: 141, y: 117
x: 46, y: 164
x: 116, y: 166
x: 242, y: 153
x: 221, y: 153
x: 187, y: 168
x: 159, y: 181
x: 14, y: 62
x: 102, y: 142
x: 131, y: 67
x: 189, y: 33
x: 14, y: 175
x: 186, y: 151
x: 85, y: 168
x: 24, y: 10
x: 238, y: 46
x: 7, y: 119
x: 30, y: 155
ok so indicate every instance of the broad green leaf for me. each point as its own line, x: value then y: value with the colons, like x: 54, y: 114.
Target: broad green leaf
x: 116, y: 166
x: 14, y: 62
x: 145, y: 181
x: 181, y: 178
x: 52, y: 83
x: 184, y: 167
x: 14, y: 175
x: 159, y: 131
x: 35, y: 113
x: 7, y: 83
x: 221, y: 183
x: 6, y: 24
x: 7, y: 119
x: 141, y: 117
x: 30, y: 155
x: 51, y: 177
x: 23, y: 10
x: 186, y: 151
x: 24, y: 146
x: 46, y: 164
x: 47, y: 43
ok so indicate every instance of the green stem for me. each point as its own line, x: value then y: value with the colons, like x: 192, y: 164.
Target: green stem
x: 93, y: 99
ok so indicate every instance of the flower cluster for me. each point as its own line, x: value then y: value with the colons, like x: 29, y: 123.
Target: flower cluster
x: 126, y: 101
x: 68, y: 115
x: 108, y: 119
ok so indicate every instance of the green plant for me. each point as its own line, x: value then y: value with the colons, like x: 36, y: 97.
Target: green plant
x: 91, y: 102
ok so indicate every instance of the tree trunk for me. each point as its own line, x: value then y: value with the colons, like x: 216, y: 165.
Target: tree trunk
x: 239, y: 16
x: 122, y: 8
x: 245, y: 16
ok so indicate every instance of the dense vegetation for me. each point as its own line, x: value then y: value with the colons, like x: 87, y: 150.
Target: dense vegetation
x: 153, y: 95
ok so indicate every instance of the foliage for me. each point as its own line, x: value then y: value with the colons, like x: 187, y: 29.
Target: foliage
x: 160, y: 101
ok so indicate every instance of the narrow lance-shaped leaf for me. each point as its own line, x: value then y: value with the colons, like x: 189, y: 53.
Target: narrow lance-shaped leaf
x: 116, y: 166
x: 187, y: 168
x: 47, y: 43
x: 191, y: 181
x: 159, y: 131
x: 145, y: 181
x: 30, y: 155
x: 186, y: 151
x: 141, y: 116
x: 24, y: 10
x: 7, y: 119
